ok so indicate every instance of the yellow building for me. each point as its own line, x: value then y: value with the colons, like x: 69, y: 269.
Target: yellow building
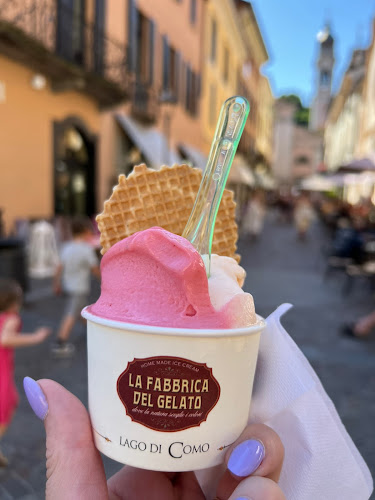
x: 257, y: 141
x: 234, y: 52
x: 224, y: 55
x: 264, y: 135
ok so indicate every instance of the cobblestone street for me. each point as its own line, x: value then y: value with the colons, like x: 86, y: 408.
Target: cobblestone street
x: 280, y: 269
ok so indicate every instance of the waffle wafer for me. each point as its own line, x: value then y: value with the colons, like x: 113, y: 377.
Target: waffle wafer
x: 162, y: 198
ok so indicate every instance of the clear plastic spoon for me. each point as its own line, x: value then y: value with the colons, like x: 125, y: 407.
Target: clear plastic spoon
x: 200, y: 227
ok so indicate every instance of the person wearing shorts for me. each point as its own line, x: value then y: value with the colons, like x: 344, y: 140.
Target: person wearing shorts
x: 73, y: 276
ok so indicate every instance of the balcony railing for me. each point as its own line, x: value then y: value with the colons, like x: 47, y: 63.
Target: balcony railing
x: 67, y: 48
x: 144, y: 102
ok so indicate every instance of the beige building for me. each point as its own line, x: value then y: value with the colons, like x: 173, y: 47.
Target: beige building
x: 296, y: 148
x: 341, y: 135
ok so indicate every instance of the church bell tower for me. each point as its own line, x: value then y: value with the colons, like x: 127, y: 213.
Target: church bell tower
x: 325, y: 63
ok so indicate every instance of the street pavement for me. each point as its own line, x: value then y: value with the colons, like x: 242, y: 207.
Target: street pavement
x: 279, y: 269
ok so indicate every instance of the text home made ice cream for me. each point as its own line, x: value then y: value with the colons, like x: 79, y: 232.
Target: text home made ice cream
x: 157, y: 278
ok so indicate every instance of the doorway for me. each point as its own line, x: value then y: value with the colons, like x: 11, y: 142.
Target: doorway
x: 74, y: 169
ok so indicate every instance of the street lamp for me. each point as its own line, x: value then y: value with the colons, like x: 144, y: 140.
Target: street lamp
x: 168, y: 100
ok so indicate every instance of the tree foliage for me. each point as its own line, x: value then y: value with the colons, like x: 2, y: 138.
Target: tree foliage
x: 301, y: 115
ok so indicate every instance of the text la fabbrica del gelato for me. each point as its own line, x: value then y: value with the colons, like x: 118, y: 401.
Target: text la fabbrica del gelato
x: 167, y: 393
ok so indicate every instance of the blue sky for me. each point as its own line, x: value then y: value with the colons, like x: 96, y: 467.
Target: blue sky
x: 289, y: 28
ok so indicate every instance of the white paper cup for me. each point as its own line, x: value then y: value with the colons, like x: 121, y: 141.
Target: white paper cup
x: 168, y: 399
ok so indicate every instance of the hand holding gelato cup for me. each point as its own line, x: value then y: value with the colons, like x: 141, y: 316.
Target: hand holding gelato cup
x: 171, y: 354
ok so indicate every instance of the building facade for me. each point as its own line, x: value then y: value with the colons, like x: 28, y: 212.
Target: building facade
x: 234, y: 52
x: 93, y: 87
x: 366, y: 140
x: 296, y: 152
x: 89, y: 88
x: 160, y: 123
x: 251, y: 84
x: 342, y: 130
x: 224, y: 55
x: 57, y: 71
x: 264, y: 137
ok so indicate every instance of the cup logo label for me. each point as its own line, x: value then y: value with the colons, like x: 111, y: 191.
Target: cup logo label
x: 168, y: 394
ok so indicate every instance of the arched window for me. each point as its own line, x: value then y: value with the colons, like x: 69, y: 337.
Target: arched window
x: 324, y: 78
x: 302, y: 160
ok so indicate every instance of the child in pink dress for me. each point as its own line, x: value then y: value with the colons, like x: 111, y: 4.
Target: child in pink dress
x: 10, y: 337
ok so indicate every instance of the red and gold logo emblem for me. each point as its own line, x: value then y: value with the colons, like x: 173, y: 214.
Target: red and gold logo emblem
x: 168, y: 394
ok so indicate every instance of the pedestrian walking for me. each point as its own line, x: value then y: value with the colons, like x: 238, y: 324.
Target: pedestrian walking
x: 304, y: 215
x: 77, y: 262
x: 11, y: 338
x: 254, y: 216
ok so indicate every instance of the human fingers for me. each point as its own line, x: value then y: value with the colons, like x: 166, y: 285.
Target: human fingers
x: 131, y: 483
x: 74, y: 467
x: 257, y: 488
x: 257, y: 452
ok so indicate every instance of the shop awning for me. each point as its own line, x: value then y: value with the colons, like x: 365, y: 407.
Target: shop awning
x: 195, y: 157
x: 318, y: 183
x: 151, y: 142
x: 240, y: 172
x: 265, y: 181
x: 324, y: 182
x: 359, y: 164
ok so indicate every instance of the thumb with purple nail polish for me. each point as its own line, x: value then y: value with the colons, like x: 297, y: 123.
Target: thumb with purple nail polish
x: 35, y: 397
x: 246, y: 458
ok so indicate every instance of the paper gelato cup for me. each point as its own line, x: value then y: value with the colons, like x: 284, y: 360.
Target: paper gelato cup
x: 168, y: 399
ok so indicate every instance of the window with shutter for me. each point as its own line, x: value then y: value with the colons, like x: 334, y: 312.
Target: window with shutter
x: 182, y: 93
x: 132, y: 35
x: 226, y: 64
x: 193, y: 11
x: 195, y: 93
x: 171, y: 69
x: 188, y: 88
x: 100, y: 11
x: 151, y: 49
x: 177, y: 72
x: 70, y: 30
x: 212, y: 110
x: 166, y: 63
x: 142, y: 43
x: 213, y: 40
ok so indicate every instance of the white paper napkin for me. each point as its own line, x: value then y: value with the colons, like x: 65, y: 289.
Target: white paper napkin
x: 321, y: 460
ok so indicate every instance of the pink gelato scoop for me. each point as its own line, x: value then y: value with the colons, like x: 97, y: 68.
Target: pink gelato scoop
x: 157, y: 278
